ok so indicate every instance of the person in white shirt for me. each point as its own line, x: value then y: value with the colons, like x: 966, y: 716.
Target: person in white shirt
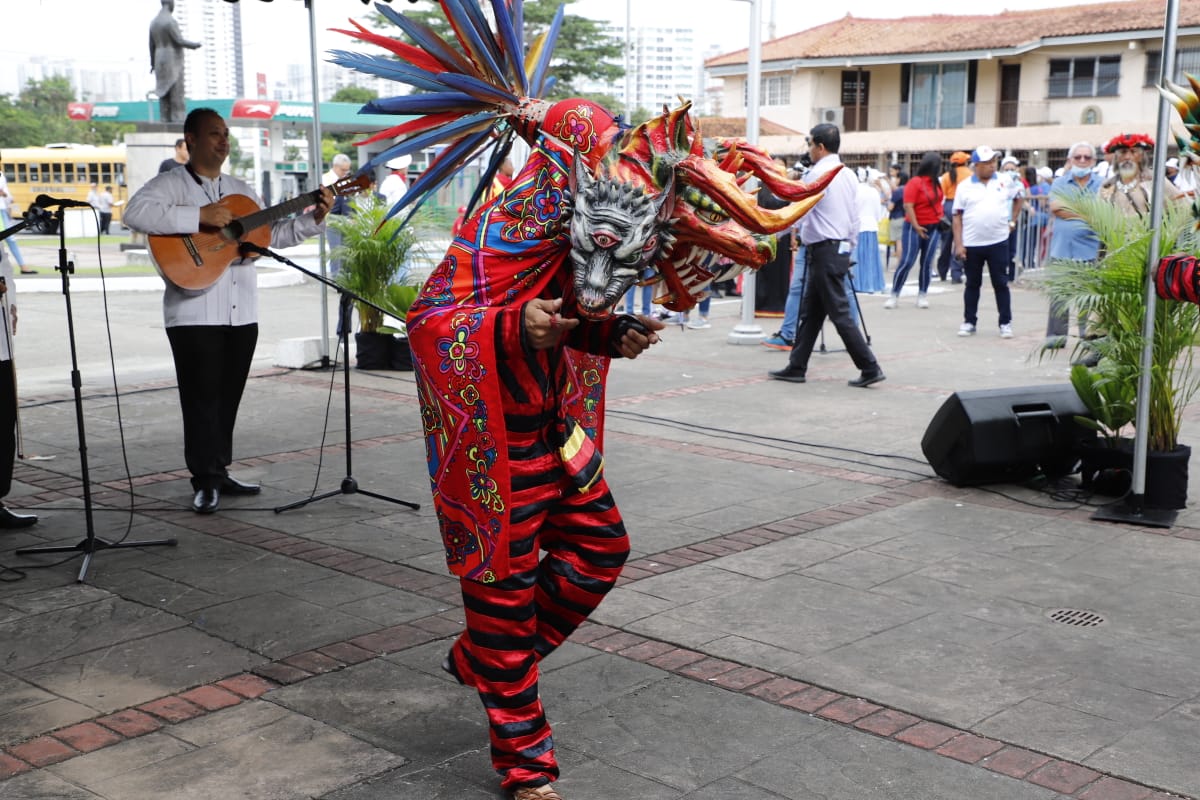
x: 213, y: 331
x: 829, y: 233
x: 985, y: 212
x: 395, y: 185
x: 8, y: 398
x: 6, y: 210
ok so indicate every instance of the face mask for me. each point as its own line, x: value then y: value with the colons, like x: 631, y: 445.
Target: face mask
x: 1080, y: 172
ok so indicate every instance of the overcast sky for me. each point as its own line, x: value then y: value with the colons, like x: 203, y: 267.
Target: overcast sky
x: 112, y: 34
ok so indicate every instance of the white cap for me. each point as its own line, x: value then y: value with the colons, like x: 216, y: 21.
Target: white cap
x: 1009, y: 160
x: 399, y: 162
x: 1045, y: 173
x: 1173, y: 162
x: 982, y: 153
x: 1058, y: 173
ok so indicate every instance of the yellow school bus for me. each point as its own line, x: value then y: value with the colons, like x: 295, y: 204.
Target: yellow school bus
x: 63, y: 170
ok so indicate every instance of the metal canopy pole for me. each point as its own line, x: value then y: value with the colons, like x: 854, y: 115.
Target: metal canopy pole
x: 1132, y: 508
x: 315, y: 162
x: 747, y: 331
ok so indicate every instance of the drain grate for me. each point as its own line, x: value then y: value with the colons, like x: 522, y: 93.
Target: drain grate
x: 1077, y: 617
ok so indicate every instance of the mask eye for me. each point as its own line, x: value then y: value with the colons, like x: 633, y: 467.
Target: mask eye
x: 650, y: 244
x: 604, y: 240
x: 711, y: 216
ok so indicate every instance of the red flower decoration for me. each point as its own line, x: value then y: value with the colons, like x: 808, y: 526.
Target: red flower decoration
x: 1129, y: 141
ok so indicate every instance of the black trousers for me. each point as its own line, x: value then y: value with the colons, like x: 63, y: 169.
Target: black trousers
x: 8, y: 427
x: 211, y: 366
x: 825, y: 296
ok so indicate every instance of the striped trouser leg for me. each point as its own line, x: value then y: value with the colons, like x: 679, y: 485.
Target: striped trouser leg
x: 512, y: 623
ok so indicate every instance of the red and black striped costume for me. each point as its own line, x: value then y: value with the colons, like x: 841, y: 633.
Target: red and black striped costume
x: 495, y: 412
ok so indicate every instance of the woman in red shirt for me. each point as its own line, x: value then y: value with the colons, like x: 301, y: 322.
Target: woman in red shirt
x: 922, y: 213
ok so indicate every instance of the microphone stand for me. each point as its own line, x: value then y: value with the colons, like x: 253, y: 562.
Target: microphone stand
x: 91, y: 543
x: 349, y: 484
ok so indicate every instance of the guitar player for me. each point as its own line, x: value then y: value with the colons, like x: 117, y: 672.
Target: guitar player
x: 212, y: 331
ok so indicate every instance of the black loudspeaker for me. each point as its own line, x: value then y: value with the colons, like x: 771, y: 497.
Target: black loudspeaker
x: 1006, y: 435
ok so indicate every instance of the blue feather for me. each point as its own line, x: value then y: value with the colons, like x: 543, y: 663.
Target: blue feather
x: 449, y: 131
x: 464, y: 25
x: 477, y: 88
x: 443, y: 169
x: 518, y: 25
x: 539, y: 73
x: 389, y: 68
x: 425, y: 38
x: 475, y: 12
x: 423, y: 103
x: 513, y: 48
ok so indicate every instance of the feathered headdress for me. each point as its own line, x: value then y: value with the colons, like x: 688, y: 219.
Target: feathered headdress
x: 474, y: 95
x: 1129, y: 141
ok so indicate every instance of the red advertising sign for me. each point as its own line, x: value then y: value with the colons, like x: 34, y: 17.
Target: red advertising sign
x: 254, y: 109
x: 79, y: 110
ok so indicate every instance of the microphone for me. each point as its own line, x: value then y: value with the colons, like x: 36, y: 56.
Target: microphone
x: 46, y: 201
x: 246, y: 249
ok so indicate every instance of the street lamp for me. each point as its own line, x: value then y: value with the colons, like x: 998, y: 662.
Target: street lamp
x: 747, y: 331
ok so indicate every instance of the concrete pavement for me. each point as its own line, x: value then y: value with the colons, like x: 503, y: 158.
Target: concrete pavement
x: 808, y: 611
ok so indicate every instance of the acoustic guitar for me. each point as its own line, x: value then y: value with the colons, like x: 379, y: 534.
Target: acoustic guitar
x: 197, y: 260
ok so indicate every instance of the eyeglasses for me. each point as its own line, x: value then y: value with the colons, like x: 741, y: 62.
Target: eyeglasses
x: 1081, y: 157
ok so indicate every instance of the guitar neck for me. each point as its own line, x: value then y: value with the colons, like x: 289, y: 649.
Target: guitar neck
x: 268, y: 215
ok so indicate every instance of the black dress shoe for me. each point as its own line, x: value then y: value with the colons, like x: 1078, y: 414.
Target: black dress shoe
x: 9, y: 520
x: 206, y: 501
x: 788, y: 373
x: 231, y: 485
x: 868, y: 377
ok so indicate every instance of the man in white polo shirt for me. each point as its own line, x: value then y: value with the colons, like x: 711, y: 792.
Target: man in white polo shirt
x: 985, y: 211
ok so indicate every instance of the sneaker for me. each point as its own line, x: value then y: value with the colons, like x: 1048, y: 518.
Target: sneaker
x: 966, y: 329
x: 699, y: 324
x: 777, y: 342
x: 1006, y: 332
x: 546, y: 792
x: 922, y: 301
x: 890, y: 302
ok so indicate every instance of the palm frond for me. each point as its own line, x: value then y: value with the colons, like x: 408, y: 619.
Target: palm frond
x: 1112, y: 292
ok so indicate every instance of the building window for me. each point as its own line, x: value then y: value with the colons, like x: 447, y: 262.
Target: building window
x: 774, y: 90
x: 1186, y: 60
x: 1089, y: 76
x: 939, y: 96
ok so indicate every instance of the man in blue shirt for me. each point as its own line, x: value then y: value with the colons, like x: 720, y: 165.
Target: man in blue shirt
x: 1071, y: 238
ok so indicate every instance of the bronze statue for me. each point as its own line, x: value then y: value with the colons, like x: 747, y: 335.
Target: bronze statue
x: 166, y: 62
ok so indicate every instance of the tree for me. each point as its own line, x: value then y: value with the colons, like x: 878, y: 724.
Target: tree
x: 39, y: 116
x: 583, y: 49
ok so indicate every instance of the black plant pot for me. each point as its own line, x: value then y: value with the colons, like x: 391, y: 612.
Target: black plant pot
x: 373, y: 350
x: 1109, y: 470
x: 400, y: 356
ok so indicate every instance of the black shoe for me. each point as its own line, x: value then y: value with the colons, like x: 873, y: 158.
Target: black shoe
x: 956, y: 280
x: 206, y: 501
x: 9, y: 520
x: 231, y: 485
x: 788, y: 373
x: 29, y: 272
x: 868, y: 377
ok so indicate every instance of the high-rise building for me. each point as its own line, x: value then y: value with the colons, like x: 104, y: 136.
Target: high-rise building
x: 215, y: 70
x: 663, y: 65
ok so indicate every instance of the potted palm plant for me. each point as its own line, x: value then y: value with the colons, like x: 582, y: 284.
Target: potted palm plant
x: 373, y: 253
x: 1111, y: 292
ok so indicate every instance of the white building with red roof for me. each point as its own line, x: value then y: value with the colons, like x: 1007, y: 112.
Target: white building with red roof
x: 1026, y: 82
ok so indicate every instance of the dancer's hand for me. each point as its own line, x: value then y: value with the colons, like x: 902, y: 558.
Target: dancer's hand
x: 634, y: 342
x: 544, y: 326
